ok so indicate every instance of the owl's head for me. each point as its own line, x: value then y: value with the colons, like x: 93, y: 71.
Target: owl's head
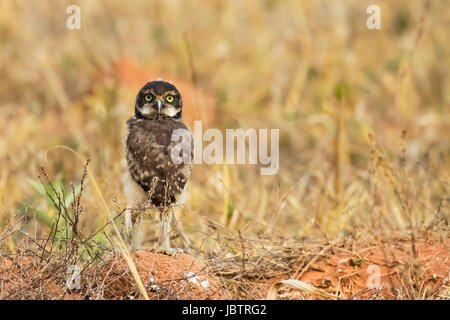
x: 158, y: 99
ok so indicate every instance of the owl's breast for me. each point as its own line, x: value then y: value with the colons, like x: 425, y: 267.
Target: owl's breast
x: 149, y: 159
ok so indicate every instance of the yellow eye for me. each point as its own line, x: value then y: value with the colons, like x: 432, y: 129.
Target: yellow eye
x: 148, y: 97
x: 169, y: 98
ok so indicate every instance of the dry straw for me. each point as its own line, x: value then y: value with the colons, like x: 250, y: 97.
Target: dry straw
x: 118, y: 241
x: 300, y: 285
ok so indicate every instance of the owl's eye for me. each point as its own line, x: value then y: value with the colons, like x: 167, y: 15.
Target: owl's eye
x: 169, y: 98
x: 148, y: 97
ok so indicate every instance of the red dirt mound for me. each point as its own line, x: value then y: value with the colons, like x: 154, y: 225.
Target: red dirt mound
x: 29, y: 279
x: 165, y: 277
x: 404, y: 272
x: 347, y: 271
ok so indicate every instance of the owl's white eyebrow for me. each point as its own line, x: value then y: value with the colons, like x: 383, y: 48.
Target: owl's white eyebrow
x: 165, y: 93
x: 148, y: 91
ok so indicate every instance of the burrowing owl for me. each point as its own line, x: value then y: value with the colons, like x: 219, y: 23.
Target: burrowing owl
x: 154, y: 177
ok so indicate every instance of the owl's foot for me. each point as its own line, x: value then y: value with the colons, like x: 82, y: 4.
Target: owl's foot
x: 168, y: 250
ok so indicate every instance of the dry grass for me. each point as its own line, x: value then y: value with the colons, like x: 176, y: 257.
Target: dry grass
x: 363, y: 118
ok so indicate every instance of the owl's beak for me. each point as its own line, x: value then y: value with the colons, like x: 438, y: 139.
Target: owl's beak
x: 159, y: 105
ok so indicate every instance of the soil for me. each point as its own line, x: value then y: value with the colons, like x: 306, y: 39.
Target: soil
x: 406, y: 272
x: 352, y: 275
x: 28, y: 279
x: 165, y: 277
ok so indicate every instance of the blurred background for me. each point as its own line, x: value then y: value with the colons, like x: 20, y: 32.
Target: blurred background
x: 363, y: 114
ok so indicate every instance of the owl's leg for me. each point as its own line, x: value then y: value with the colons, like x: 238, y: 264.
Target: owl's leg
x: 178, y: 226
x: 164, y: 245
x: 136, y: 234
x: 135, y: 197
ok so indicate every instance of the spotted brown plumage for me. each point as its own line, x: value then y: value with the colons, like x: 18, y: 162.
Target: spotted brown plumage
x: 149, y: 149
x: 155, y: 178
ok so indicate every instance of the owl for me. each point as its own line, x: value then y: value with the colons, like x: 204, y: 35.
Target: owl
x: 159, y: 153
